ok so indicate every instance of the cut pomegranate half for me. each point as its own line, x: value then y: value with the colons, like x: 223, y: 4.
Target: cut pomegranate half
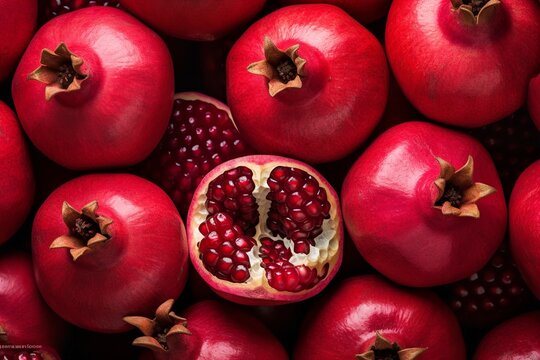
x: 265, y: 230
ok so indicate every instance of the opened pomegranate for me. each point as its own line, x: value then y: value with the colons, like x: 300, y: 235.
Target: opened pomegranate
x: 422, y: 199
x: 524, y: 223
x: 373, y: 319
x: 54, y: 8
x: 106, y: 246
x: 463, y: 62
x: 209, y: 330
x: 30, y: 352
x: 307, y: 81
x: 534, y: 100
x: 516, y: 339
x: 265, y: 230
x: 195, y: 20
x: 24, y: 316
x: 201, y: 135
x: 94, y: 94
x: 16, y: 175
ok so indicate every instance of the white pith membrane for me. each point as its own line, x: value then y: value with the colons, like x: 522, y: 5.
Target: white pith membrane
x: 325, y: 251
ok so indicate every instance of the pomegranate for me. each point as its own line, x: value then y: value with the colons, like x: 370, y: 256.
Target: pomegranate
x: 516, y: 339
x: 108, y: 245
x: 307, y: 81
x: 534, y: 100
x: 24, y: 316
x: 464, y: 62
x: 376, y: 320
x: 16, y: 176
x: 413, y: 216
x: 210, y: 330
x: 524, y: 224
x: 365, y: 11
x: 202, y: 20
x: 37, y: 352
x: 200, y: 136
x: 265, y: 230
x: 102, y: 97
x: 53, y: 8
x: 17, y: 24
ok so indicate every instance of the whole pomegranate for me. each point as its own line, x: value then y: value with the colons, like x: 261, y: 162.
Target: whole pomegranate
x: 210, y: 330
x: 375, y: 320
x: 17, y: 24
x: 524, y: 224
x: 534, y: 100
x: 24, y: 316
x: 516, y: 339
x: 464, y: 62
x: 307, y: 81
x: 265, y: 230
x: 16, y: 176
x: 422, y: 199
x: 108, y: 245
x: 93, y: 94
x: 195, y: 20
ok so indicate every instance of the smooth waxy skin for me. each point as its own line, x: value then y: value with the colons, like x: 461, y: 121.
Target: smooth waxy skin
x: 123, y: 107
x: 16, y: 175
x: 461, y: 74
x: 388, y: 197
x: 524, y: 223
x: 143, y: 264
x: 343, y: 94
x: 534, y: 100
x: 345, y: 322
x: 515, y: 339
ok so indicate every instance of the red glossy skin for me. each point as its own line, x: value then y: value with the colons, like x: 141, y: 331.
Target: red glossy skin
x: 516, y: 339
x: 365, y: 11
x: 17, y: 24
x: 344, y: 90
x: 388, y: 199
x: 534, y: 100
x: 122, y: 109
x: 222, y: 331
x: 524, y: 223
x: 24, y: 316
x: 16, y: 176
x: 344, y: 322
x: 143, y: 264
x: 460, y: 74
x: 204, y: 20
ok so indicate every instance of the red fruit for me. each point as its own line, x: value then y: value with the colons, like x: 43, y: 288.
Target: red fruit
x: 16, y: 177
x: 24, y: 316
x: 202, y: 20
x: 58, y: 7
x: 210, y: 330
x: 307, y: 81
x: 413, y: 216
x: 200, y: 136
x: 516, y: 339
x: 17, y: 24
x: 534, y: 100
x: 103, y: 97
x: 462, y: 62
x: 524, y: 223
x: 373, y: 319
x: 265, y: 230
x: 30, y: 352
x: 127, y: 250
x: 365, y: 11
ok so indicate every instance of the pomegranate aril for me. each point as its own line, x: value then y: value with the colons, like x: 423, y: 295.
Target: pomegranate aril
x: 59, y: 7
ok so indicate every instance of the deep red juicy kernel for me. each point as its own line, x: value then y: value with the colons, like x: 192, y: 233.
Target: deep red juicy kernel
x: 59, y: 7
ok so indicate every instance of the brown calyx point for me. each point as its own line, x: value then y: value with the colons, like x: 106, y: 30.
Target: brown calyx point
x: 60, y: 70
x: 283, y: 69
x: 3, y: 336
x: 475, y: 12
x: 158, y: 330
x: 383, y: 349
x: 457, y: 192
x: 87, y: 230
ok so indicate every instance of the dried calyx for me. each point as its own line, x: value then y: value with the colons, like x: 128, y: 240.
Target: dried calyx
x: 87, y: 230
x: 158, y: 330
x: 457, y: 192
x: 475, y: 11
x: 283, y: 69
x: 60, y: 70
x: 383, y: 349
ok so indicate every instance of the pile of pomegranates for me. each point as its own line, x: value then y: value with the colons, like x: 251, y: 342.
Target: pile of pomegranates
x: 269, y: 179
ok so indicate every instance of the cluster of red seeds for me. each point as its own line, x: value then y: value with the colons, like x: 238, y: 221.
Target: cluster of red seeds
x: 59, y: 7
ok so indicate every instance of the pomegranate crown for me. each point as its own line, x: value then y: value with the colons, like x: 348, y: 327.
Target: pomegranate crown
x: 384, y: 349
x: 475, y: 12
